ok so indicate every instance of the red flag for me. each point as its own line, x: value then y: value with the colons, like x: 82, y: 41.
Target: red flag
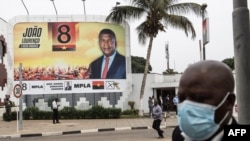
x: 98, y: 84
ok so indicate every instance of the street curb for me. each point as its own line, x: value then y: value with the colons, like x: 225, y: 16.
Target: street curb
x: 73, y: 132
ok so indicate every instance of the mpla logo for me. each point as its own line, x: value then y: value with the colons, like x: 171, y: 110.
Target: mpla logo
x: 112, y: 85
x: 82, y: 85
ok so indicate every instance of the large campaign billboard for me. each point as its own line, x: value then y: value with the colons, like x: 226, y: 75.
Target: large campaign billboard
x: 69, y: 57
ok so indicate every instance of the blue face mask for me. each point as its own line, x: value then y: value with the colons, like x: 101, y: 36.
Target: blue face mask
x: 196, y: 120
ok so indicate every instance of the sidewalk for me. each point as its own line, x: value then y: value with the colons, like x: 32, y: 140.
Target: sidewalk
x: 47, y: 128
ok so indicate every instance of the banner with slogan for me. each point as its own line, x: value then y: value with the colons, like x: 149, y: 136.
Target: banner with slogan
x: 55, y: 55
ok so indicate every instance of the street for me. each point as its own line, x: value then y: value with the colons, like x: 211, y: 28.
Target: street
x: 126, y: 135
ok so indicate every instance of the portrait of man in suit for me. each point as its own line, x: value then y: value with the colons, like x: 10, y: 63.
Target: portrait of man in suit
x: 111, y: 65
x: 68, y: 86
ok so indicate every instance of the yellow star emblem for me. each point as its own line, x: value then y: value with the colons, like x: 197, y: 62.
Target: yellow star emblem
x: 64, y: 48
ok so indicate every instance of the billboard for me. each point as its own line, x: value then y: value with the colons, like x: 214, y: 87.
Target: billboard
x: 67, y: 57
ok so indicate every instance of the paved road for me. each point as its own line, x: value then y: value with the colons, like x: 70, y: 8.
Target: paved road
x: 47, y: 128
x: 125, y: 135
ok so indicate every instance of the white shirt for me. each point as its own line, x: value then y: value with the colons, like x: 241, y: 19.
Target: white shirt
x: 54, y: 105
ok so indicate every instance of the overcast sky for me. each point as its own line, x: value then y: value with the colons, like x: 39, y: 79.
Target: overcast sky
x: 182, y: 50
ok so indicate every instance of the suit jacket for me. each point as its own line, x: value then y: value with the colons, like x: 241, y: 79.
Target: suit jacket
x: 68, y: 88
x: 117, y: 69
x: 176, y: 135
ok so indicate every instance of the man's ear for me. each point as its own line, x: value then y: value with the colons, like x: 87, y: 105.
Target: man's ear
x: 230, y: 101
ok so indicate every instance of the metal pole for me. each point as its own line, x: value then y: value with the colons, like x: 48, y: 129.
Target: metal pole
x: 201, y: 50
x: 54, y: 6
x: 167, y: 55
x: 25, y: 8
x: 241, y: 35
x: 203, y: 8
x: 84, y: 10
x: 20, y: 100
x: 204, y: 52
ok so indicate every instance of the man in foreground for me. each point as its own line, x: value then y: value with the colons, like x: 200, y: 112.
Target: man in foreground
x: 206, y: 101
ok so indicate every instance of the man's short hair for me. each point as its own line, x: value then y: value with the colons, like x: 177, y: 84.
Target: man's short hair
x: 107, y: 31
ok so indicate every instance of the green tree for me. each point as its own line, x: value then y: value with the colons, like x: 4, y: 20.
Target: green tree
x: 158, y: 15
x: 229, y: 62
x: 169, y: 71
x: 138, y: 64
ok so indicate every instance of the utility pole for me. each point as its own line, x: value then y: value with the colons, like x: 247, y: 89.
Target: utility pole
x: 241, y: 35
x: 20, y: 122
x: 205, y: 35
x: 167, y: 55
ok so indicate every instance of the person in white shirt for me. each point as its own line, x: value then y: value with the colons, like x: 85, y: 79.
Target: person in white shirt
x: 176, y: 101
x: 55, y: 105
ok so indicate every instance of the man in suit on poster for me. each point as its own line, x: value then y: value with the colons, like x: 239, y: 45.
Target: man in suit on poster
x: 68, y: 86
x: 111, y: 65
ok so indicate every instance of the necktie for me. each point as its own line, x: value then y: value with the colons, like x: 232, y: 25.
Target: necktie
x: 105, y: 70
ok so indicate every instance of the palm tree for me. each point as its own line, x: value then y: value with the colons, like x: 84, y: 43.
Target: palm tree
x: 159, y: 15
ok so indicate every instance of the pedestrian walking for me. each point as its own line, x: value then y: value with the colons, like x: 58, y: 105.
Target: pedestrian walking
x: 8, y: 105
x: 176, y: 101
x: 167, y: 103
x: 55, y: 105
x: 160, y: 101
x: 157, y: 115
x: 150, y: 106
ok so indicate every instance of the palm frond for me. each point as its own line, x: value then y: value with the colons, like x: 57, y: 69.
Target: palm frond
x: 141, y: 3
x: 118, y: 14
x: 142, y: 36
x: 180, y: 22
x: 184, y: 8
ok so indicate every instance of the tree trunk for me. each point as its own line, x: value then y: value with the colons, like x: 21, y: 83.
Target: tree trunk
x: 145, y: 75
